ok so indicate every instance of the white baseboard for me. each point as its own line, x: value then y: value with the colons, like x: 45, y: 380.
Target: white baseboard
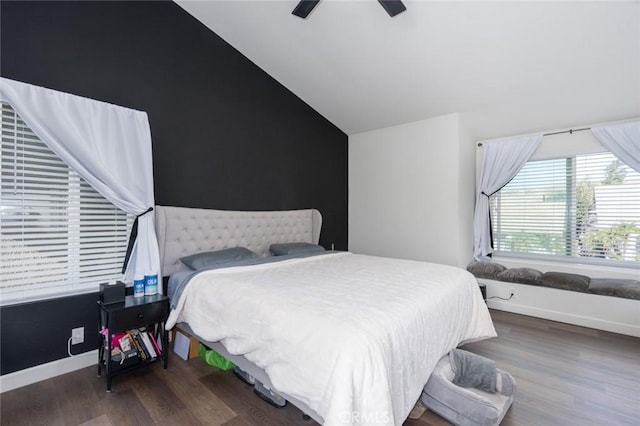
x: 46, y: 371
x: 606, y: 313
x: 596, y: 323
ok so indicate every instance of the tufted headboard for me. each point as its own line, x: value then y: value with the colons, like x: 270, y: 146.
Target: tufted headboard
x: 183, y: 231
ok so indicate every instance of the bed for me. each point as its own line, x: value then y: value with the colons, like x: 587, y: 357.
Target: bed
x: 347, y: 338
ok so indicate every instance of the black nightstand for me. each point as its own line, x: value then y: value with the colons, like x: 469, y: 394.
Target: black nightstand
x: 136, y: 312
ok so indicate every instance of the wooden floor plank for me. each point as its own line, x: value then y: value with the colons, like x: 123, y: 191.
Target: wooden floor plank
x: 242, y: 400
x: 43, y: 406
x: 121, y: 404
x: 102, y: 420
x: 204, y: 404
x: 162, y: 404
x: 567, y: 375
x: 77, y: 397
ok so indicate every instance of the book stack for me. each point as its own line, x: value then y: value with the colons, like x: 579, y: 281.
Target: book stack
x: 145, y: 344
x: 135, y: 345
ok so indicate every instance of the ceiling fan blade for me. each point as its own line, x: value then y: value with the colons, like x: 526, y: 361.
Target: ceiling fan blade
x: 304, y: 8
x: 393, y: 7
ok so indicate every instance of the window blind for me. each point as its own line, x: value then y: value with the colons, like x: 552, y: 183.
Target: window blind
x: 583, y: 207
x: 57, y: 234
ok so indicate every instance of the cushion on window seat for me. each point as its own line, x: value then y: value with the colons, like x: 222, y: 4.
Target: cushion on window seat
x: 573, y: 282
x: 485, y: 269
x: 624, y: 288
x: 521, y: 275
x: 629, y: 289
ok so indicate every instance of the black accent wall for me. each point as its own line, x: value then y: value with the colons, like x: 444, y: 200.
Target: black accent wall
x: 225, y: 134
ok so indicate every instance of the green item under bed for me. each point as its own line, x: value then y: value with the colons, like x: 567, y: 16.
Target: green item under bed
x: 213, y: 358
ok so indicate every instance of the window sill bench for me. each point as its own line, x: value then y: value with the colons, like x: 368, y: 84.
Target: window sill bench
x: 616, y: 287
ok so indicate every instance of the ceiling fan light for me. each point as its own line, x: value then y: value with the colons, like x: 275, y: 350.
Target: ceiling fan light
x: 393, y: 7
x: 304, y: 8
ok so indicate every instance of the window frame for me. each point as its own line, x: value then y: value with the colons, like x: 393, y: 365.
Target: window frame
x: 558, y: 147
x: 79, y: 268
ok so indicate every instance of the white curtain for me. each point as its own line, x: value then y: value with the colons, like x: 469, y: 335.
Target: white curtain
x: 109, y: 146
x: 501, y: 161
x: 623, y: 140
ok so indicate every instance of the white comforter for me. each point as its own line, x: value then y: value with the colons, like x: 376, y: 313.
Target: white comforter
x: 354, y: 337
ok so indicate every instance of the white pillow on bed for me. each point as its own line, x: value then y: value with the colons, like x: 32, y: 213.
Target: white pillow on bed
x: 206, y: 259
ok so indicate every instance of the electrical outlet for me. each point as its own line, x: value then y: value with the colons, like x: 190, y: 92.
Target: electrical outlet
x: 77, y: 335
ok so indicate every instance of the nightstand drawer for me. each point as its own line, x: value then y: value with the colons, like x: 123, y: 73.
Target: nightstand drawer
x: 139, y: 316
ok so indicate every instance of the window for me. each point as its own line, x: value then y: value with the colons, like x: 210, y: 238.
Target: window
x: 57, y: 234
x: 582, y: 207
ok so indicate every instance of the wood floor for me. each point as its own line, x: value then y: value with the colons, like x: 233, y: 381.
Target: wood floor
x: 566, y: 375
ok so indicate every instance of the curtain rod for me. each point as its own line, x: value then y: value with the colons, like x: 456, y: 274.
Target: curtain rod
x: 570, y: 131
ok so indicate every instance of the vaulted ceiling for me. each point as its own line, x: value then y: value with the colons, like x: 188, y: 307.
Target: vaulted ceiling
x: 508, y: 67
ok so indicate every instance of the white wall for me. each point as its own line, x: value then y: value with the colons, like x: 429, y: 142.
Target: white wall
x: 466, y: 193
x: 411, y: 191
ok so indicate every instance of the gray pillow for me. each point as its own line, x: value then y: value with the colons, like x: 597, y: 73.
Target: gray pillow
x: 485, y: 269
x: 294, y: 248
x: 629, y: 289
x: 210, y: 258
x: 562, y: 280
x: 521, y: 275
